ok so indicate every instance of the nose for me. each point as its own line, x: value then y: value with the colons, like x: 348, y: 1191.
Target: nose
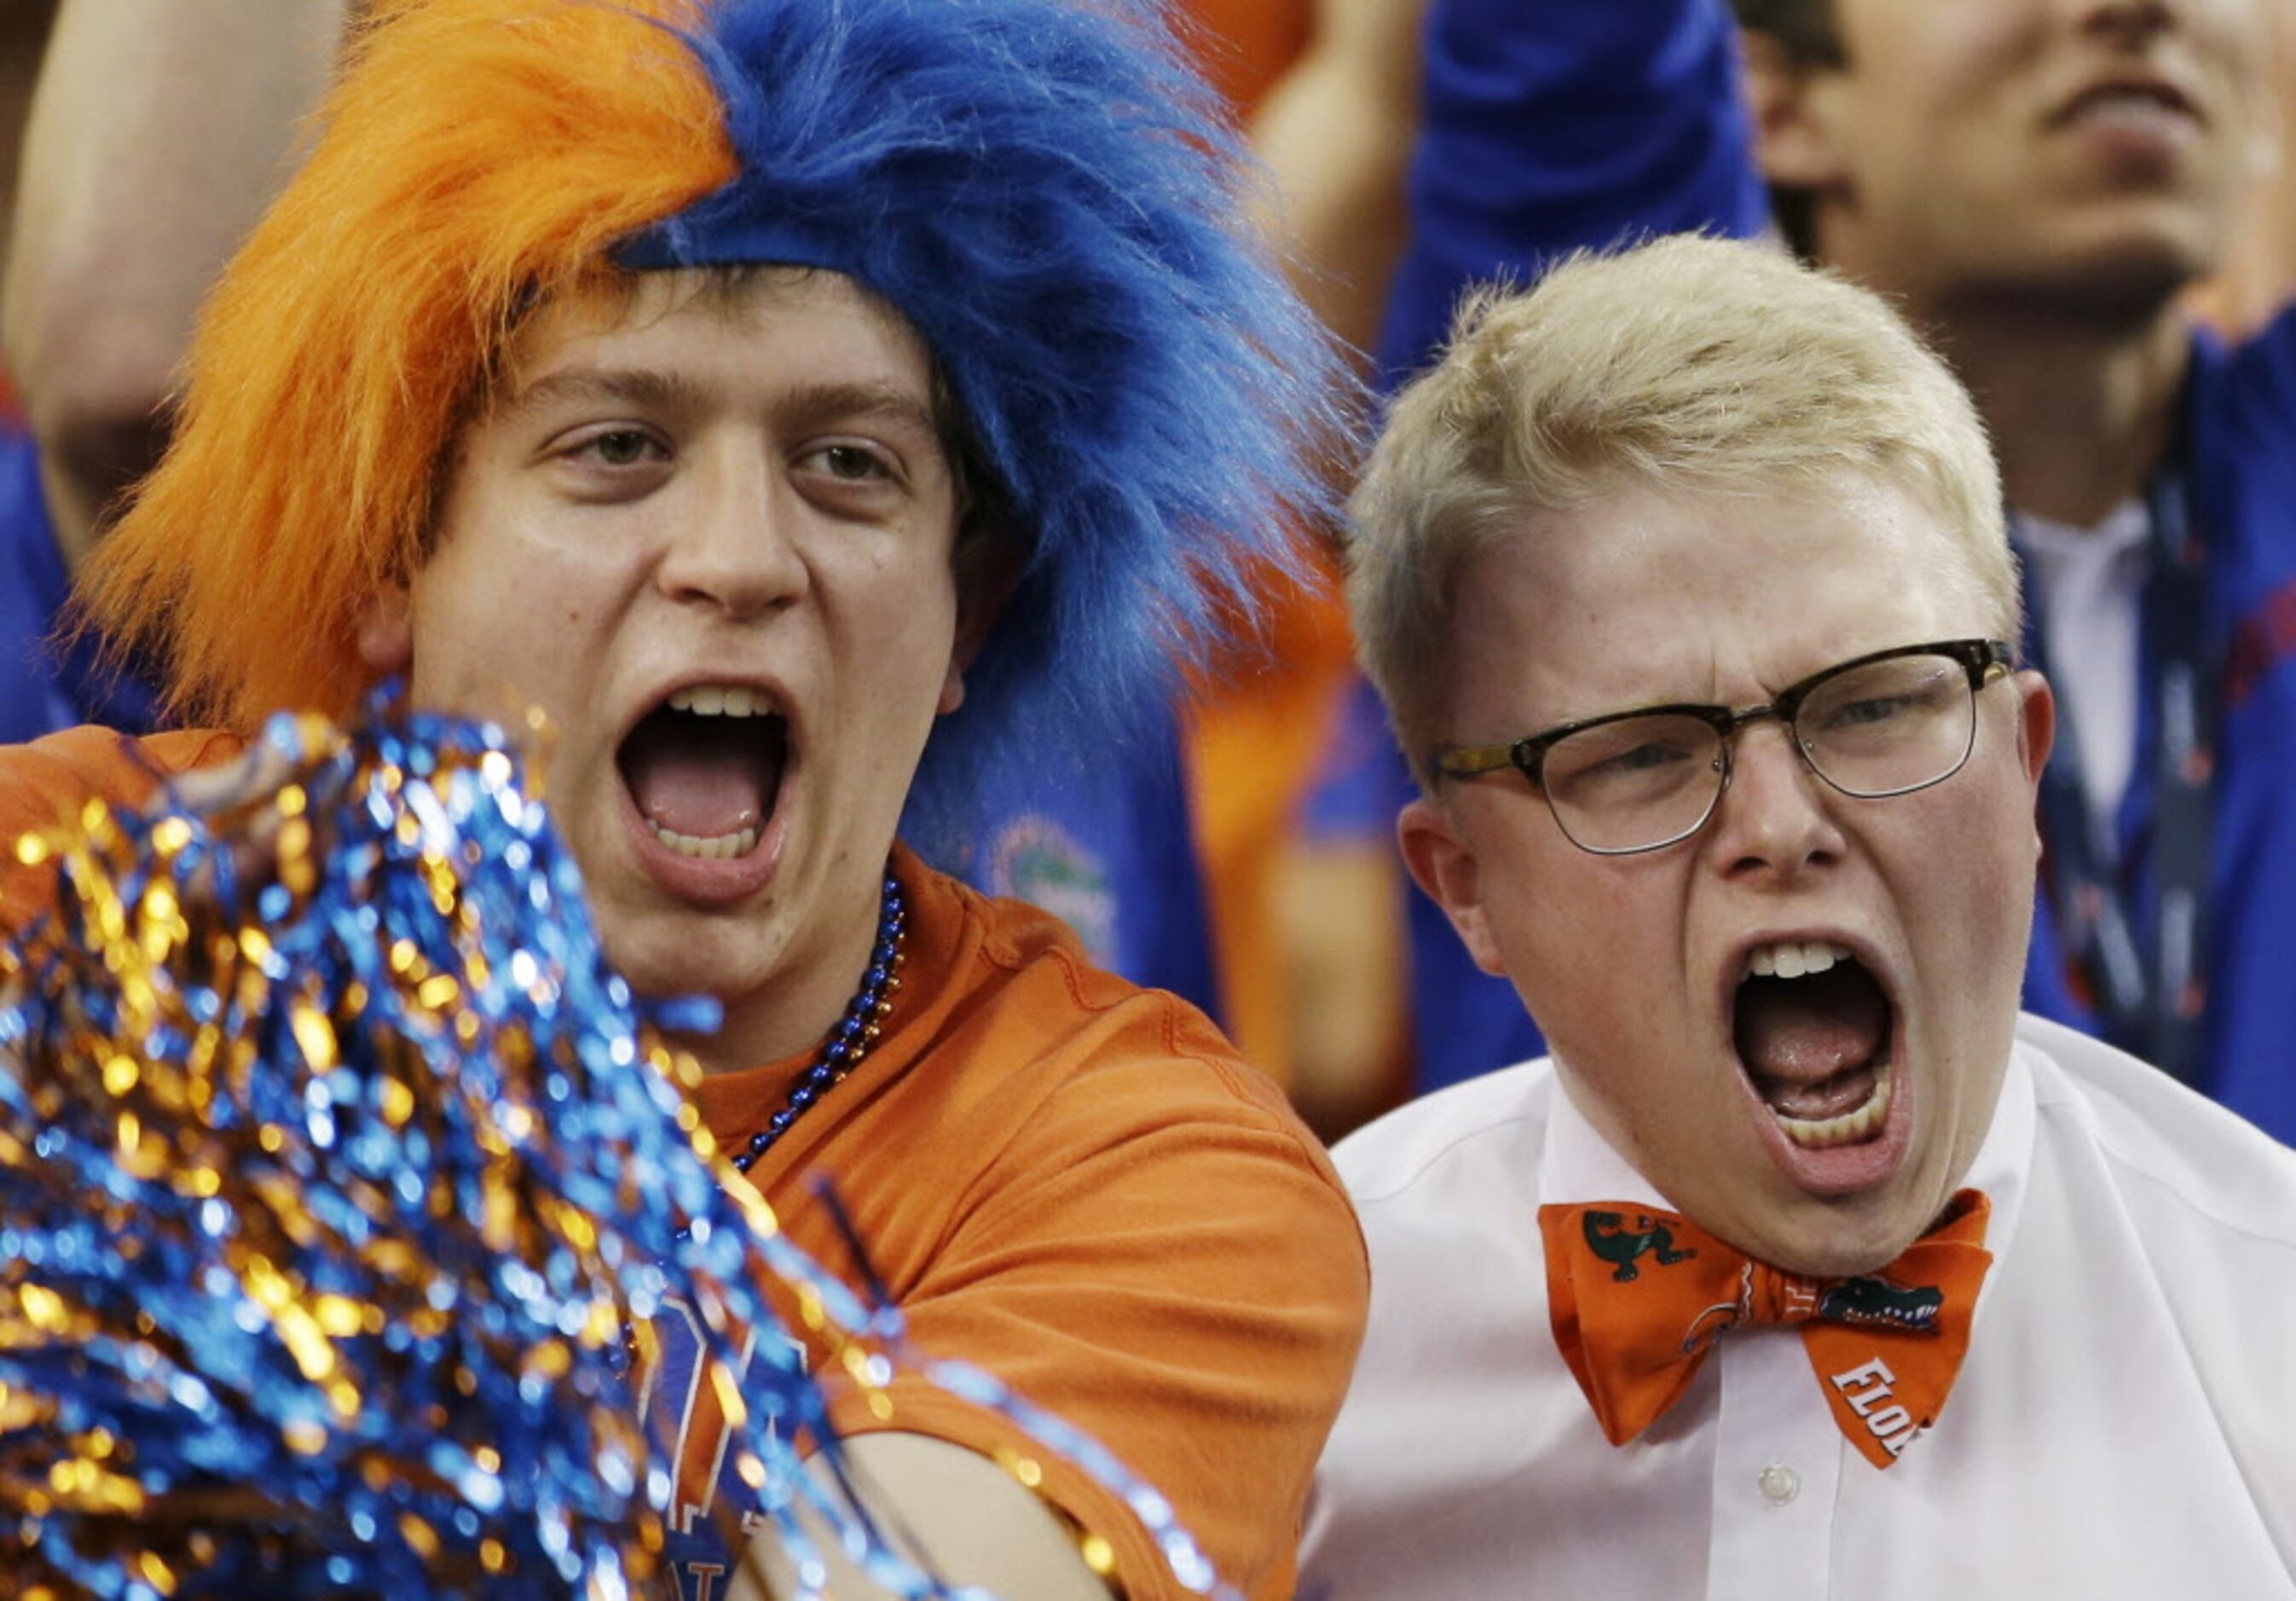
x: 2129, y: 24
x: 734, y: 540
x: 1776, y: 817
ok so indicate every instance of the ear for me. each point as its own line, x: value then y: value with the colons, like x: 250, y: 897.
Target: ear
x: 2036, y: 734
x: 1443, y: 864
x: 986, y: 575
x: 386, y: 632
x: 2037, y: 724
x: 1790, y: 102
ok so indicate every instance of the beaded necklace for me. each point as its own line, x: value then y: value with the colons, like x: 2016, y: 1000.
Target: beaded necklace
x: 856, y: 1031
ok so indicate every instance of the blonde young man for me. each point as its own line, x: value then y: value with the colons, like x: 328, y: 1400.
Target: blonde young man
x: 796, y: 399
x: 1804, y: 1266
x: 2037, y: 184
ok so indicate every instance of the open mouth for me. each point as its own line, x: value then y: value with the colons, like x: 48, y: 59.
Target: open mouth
x: 704, y: 770
x: 1812, y: 1028
x: 2138, y: 102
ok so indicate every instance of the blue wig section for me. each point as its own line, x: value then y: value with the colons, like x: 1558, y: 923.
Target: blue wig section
x: 1053, y: 198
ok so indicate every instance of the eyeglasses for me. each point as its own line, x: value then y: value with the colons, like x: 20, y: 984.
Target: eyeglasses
x: 1887, y: 724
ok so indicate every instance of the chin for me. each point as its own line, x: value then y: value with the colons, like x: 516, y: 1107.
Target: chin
x: 1839, y: 1239
x: 2130, y: 272
x: 1844, y: 1253
x: 662, y: 953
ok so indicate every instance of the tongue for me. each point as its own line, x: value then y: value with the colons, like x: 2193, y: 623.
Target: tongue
x: 1808, y: 1041
x: 703, y: 778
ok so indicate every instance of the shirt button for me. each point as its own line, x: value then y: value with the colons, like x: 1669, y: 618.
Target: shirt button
x: 1779, y: 1484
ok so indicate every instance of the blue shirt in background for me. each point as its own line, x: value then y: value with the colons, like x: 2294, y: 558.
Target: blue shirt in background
x: 44, y: 687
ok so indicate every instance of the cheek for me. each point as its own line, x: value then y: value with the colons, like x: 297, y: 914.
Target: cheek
x: 2244, y: 34
x: 1959, y: 68
x: 910, y: 614
x: 2261, y: 124
x: 493, y: 636
x: 1974, y: 902
x: 1598, y: 951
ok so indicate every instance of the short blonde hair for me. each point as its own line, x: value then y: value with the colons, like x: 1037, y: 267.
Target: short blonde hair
x: 1691, y: 363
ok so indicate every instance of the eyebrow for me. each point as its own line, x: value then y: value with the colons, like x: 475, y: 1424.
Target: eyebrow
x: 885, y: 401
x: 640, y: 386
x: 811, y: 405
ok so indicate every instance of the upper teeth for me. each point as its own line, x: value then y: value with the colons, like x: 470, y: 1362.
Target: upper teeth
x: 720, y: 699
x: 2130, y: 98
x: 1791, y: 959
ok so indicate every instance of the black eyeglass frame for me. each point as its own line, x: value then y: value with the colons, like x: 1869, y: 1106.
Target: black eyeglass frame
x: 1984, y: 659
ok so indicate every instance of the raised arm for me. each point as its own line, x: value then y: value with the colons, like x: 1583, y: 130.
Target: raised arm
x: 1555, y: 127
x: 157, y: 131
x: 958, y: 1514
x: 1335, y: 131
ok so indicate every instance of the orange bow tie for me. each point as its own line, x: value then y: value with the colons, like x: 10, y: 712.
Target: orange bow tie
x: 1637, y: 1296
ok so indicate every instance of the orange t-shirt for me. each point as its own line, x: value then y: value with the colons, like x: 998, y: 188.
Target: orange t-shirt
x: 1077, y: 1184
x: 1061, y: 1179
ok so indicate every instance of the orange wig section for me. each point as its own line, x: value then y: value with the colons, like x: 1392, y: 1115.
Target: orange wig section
x: 476, y: 157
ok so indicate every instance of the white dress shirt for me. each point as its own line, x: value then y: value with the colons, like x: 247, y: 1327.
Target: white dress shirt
x: 2124, y: 1423
x: 2088, y: 586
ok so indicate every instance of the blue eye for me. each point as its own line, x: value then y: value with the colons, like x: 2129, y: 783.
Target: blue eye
x: 1627, y: 762
x: 1872, y: 710
x: 1643, y: 759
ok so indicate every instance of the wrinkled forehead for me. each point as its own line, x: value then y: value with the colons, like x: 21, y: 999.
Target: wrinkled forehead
x: 1592, y: 600
x: 613, y: 300
x: 1723, y: 541
x: 852, y: 337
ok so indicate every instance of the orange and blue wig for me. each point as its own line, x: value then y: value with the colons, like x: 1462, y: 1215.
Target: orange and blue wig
x: 1042, y: 188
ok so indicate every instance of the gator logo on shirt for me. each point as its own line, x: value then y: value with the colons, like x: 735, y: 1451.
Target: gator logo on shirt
x: 1609, y: 1237
x: 1034, y: 860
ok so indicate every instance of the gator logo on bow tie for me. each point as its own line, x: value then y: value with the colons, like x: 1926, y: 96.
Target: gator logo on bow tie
x: 1609, y: 1237
x: 1877, y: 1303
